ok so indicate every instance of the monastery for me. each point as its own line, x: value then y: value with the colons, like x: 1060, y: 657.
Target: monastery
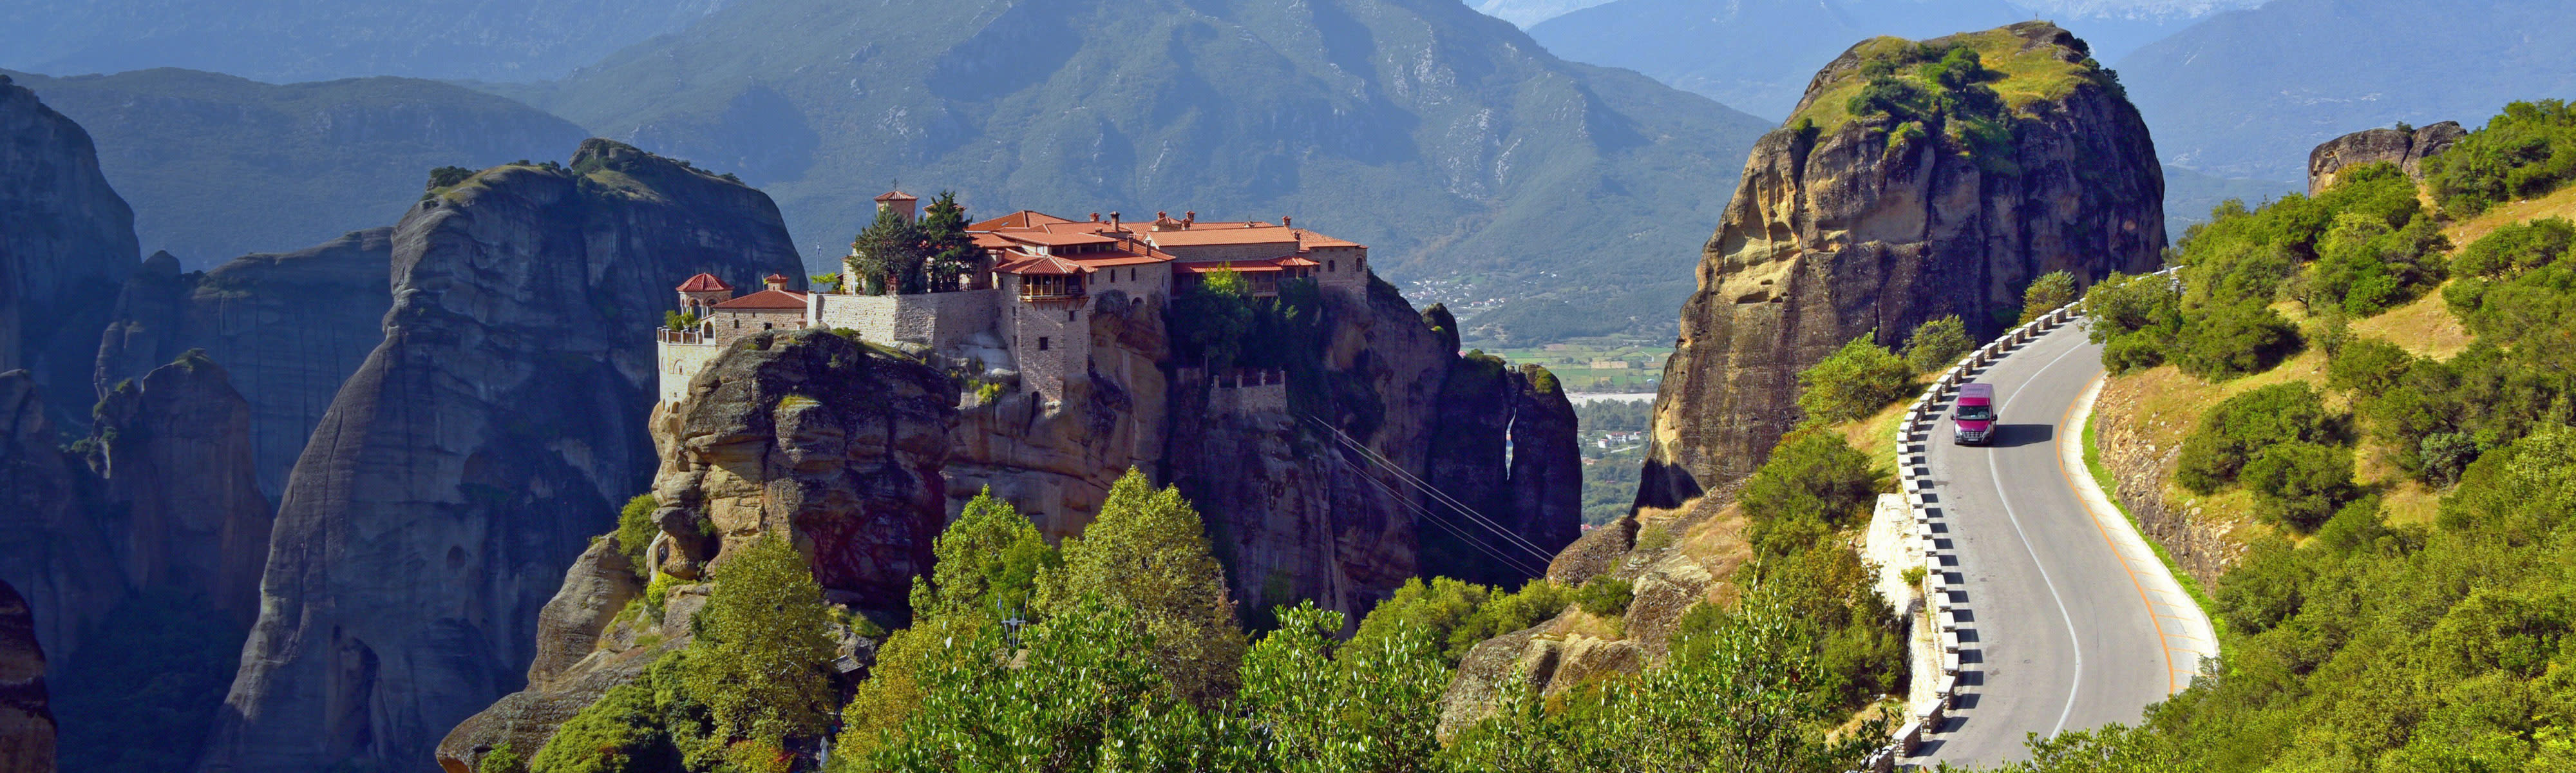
x: 1025, y: 309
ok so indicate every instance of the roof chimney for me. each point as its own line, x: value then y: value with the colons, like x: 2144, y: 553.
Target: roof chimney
x: 1113, y: 220
x: 1095, y: 217
x: 1284, y: 223
x: 1189, y: 218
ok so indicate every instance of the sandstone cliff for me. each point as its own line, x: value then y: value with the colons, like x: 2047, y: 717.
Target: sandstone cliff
x: 288, y: 328
x: 803, y: 435
x: 174, y: 450
x: 471, y: 456
x: 2407, y: 148
x: 26, y: 726
x: 1848, y: 225
x: 66, y: 240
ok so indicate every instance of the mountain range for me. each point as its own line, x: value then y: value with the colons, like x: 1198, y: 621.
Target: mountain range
x: 303, y: 40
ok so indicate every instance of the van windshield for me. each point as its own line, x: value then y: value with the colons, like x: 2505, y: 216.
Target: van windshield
x: 1976, y: 413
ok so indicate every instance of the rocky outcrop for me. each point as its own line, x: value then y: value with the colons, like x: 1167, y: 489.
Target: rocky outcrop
x: 2404, y: 146
x: 52, y: 548
x: 2203, y: 543
x: 26, y: 724
x: 473, y: 454
x: 174, y: 450
x: 289, y: 329
x: 801, y: 435
x: 66, y: 240
x: 1850, y: 230
x: 819, y: 439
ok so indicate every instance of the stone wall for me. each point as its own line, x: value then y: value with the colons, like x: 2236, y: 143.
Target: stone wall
x: 1052, y: 341
x: 679, y: 357
x: 936, y: 320
x: 1342, y: 266
x: 2204, y: 544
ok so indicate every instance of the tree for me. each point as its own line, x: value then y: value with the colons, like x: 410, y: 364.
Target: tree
x: 762, y: 647
x: 1937, y: 343
x: 1214, y: 319
x: 1080, y: 693
x: 2231, y: 434
x: 1813, y: 483
x: 987, y: 562
x: 448, y: 175
x: 2051, y: 291
x: 2300, y: 483
x: 1149, y: 553
x: 1371, y: 704
x: 1853, y: 382
x: 950, y: 252
x: 888, y: 256
x: 619, y: 733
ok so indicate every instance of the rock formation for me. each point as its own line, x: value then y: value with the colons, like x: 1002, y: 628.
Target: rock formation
x: 174, y: 450
x: 26, y: 725
x: 476, y: 450
x: 66, y: 240
x: 2405, y: 147
x: 52, y: 548
x: 288, y: 328
x: 802, y: 435
x: 1869, y: 227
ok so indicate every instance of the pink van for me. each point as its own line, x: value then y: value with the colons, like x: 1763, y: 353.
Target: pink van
x: 1972, y: 423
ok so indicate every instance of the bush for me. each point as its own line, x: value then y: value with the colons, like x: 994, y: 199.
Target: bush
x: 2232, y: 340
x: 1813, y: 484
x: 2263, y: 588
x: 446, y: 176
x: 621, y: 732
x: 2367, y: 365
x: 1604, y: 595
x: 636, y: 529
x: 1148, y: 554
x: 2230, y: 434
x: 1852, y: 383
x: 2515, y: 248
x: 2048, y: 293
x: 1936, y: 344
x: 2527, y: 151
x: 2299, y: 483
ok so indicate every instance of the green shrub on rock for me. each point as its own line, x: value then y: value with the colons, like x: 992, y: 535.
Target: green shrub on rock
x: 1937, y: 343
x: 1852, y: 383
x: 2231, y: 434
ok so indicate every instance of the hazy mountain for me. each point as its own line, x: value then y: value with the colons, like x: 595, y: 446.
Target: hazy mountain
x: 2246, y: 94
x: 298, y: 40
x: 218, y: 166
x: 1757, y: 55
x: 1447, y: 140
x: 1528, y: 12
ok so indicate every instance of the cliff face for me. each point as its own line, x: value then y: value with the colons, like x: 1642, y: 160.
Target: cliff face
x: 2405, y: 148
x: 471, y: 456
x: 66, y: 240
x: 288, y: 328
x: 51, y: 545
x: 26, y: 726
x: 175, y: 451
x: 805, y: 436
x: 1839, y: 230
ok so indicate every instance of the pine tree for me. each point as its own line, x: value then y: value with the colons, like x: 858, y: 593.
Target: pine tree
x: 952, y: 254
x: 888, y: 255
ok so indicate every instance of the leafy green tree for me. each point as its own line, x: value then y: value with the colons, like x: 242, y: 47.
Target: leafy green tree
x: 2515, y: 248
x: 1936, y: 344
x: 2526, y: 151
x: 1148, y: 553
x: 1853, y: 382
x: 987, y: 561
x: 2048, y: 293
x: 1080, y: 691
x: 446, y: 176
x: 1214, y: 317
x: 758, y: 663
x: 1368, y: 705
x: 2233, y: 340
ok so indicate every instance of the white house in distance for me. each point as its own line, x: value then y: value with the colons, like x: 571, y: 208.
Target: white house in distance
x: 1028, y: 310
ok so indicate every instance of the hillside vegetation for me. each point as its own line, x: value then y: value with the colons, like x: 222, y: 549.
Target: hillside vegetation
x: 2405, y: 599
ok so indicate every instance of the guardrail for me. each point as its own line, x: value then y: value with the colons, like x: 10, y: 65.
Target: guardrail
x: 1914, y: 481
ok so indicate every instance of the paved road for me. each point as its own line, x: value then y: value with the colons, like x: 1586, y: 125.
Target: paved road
x: 2067, y: 621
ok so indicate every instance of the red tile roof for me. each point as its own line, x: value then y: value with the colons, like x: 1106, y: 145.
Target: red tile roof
x: 1025, y: 218
x: 897, y: 196
x: 704, y: 283
x: 1042, y: 265
x: 765, y: 300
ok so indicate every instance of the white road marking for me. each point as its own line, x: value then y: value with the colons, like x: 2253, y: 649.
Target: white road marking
x: 1995, y: 475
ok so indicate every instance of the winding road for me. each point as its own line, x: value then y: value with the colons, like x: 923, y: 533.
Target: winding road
x: 2066, y: 618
